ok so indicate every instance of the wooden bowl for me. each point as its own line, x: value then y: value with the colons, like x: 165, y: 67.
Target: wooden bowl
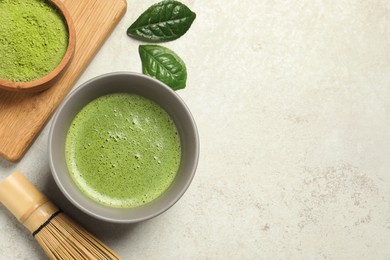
x: 47, y: 80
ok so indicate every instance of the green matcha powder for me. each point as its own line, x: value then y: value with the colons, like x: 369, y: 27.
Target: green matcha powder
x: 33, y: 39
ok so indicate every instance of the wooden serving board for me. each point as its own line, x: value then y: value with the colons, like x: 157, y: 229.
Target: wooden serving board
x: 22, y: 115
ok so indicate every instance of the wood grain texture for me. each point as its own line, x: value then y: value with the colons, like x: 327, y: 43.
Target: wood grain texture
x: 23, y: 115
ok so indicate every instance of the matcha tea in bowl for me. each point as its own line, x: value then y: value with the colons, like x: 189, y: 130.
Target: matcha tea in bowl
x: 123, y: 147
x: 37, y: 42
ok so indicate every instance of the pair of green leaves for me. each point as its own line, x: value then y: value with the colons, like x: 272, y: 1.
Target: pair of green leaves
x: 165, y: 21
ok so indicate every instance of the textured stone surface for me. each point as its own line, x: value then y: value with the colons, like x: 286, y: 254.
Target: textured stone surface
x: 292, y: 102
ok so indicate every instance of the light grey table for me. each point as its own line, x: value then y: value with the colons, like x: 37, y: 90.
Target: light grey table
x: 292, y: 102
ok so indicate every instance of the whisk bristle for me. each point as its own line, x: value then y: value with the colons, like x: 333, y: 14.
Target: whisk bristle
x: 62, y: 238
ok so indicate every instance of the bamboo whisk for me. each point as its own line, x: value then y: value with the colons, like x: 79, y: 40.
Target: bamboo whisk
x: 59, y: 236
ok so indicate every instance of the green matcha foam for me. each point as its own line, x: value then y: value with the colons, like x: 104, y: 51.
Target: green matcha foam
x: 123, y: 150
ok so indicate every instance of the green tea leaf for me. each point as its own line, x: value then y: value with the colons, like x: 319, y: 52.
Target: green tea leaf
x: 163, y: 64
x: 164, y: 21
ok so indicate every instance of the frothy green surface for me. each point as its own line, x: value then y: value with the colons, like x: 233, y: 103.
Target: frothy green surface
x: 123, y: 150
x: 33, y: 39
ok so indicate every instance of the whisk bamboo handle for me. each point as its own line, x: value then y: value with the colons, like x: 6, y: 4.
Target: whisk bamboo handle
x: 25, y: 201
x: 59, y: 236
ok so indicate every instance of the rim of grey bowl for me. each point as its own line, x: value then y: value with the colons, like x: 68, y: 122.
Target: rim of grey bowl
x: 75, y: 202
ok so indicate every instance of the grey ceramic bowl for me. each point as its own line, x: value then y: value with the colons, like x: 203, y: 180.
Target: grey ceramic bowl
x: 130, y: 83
